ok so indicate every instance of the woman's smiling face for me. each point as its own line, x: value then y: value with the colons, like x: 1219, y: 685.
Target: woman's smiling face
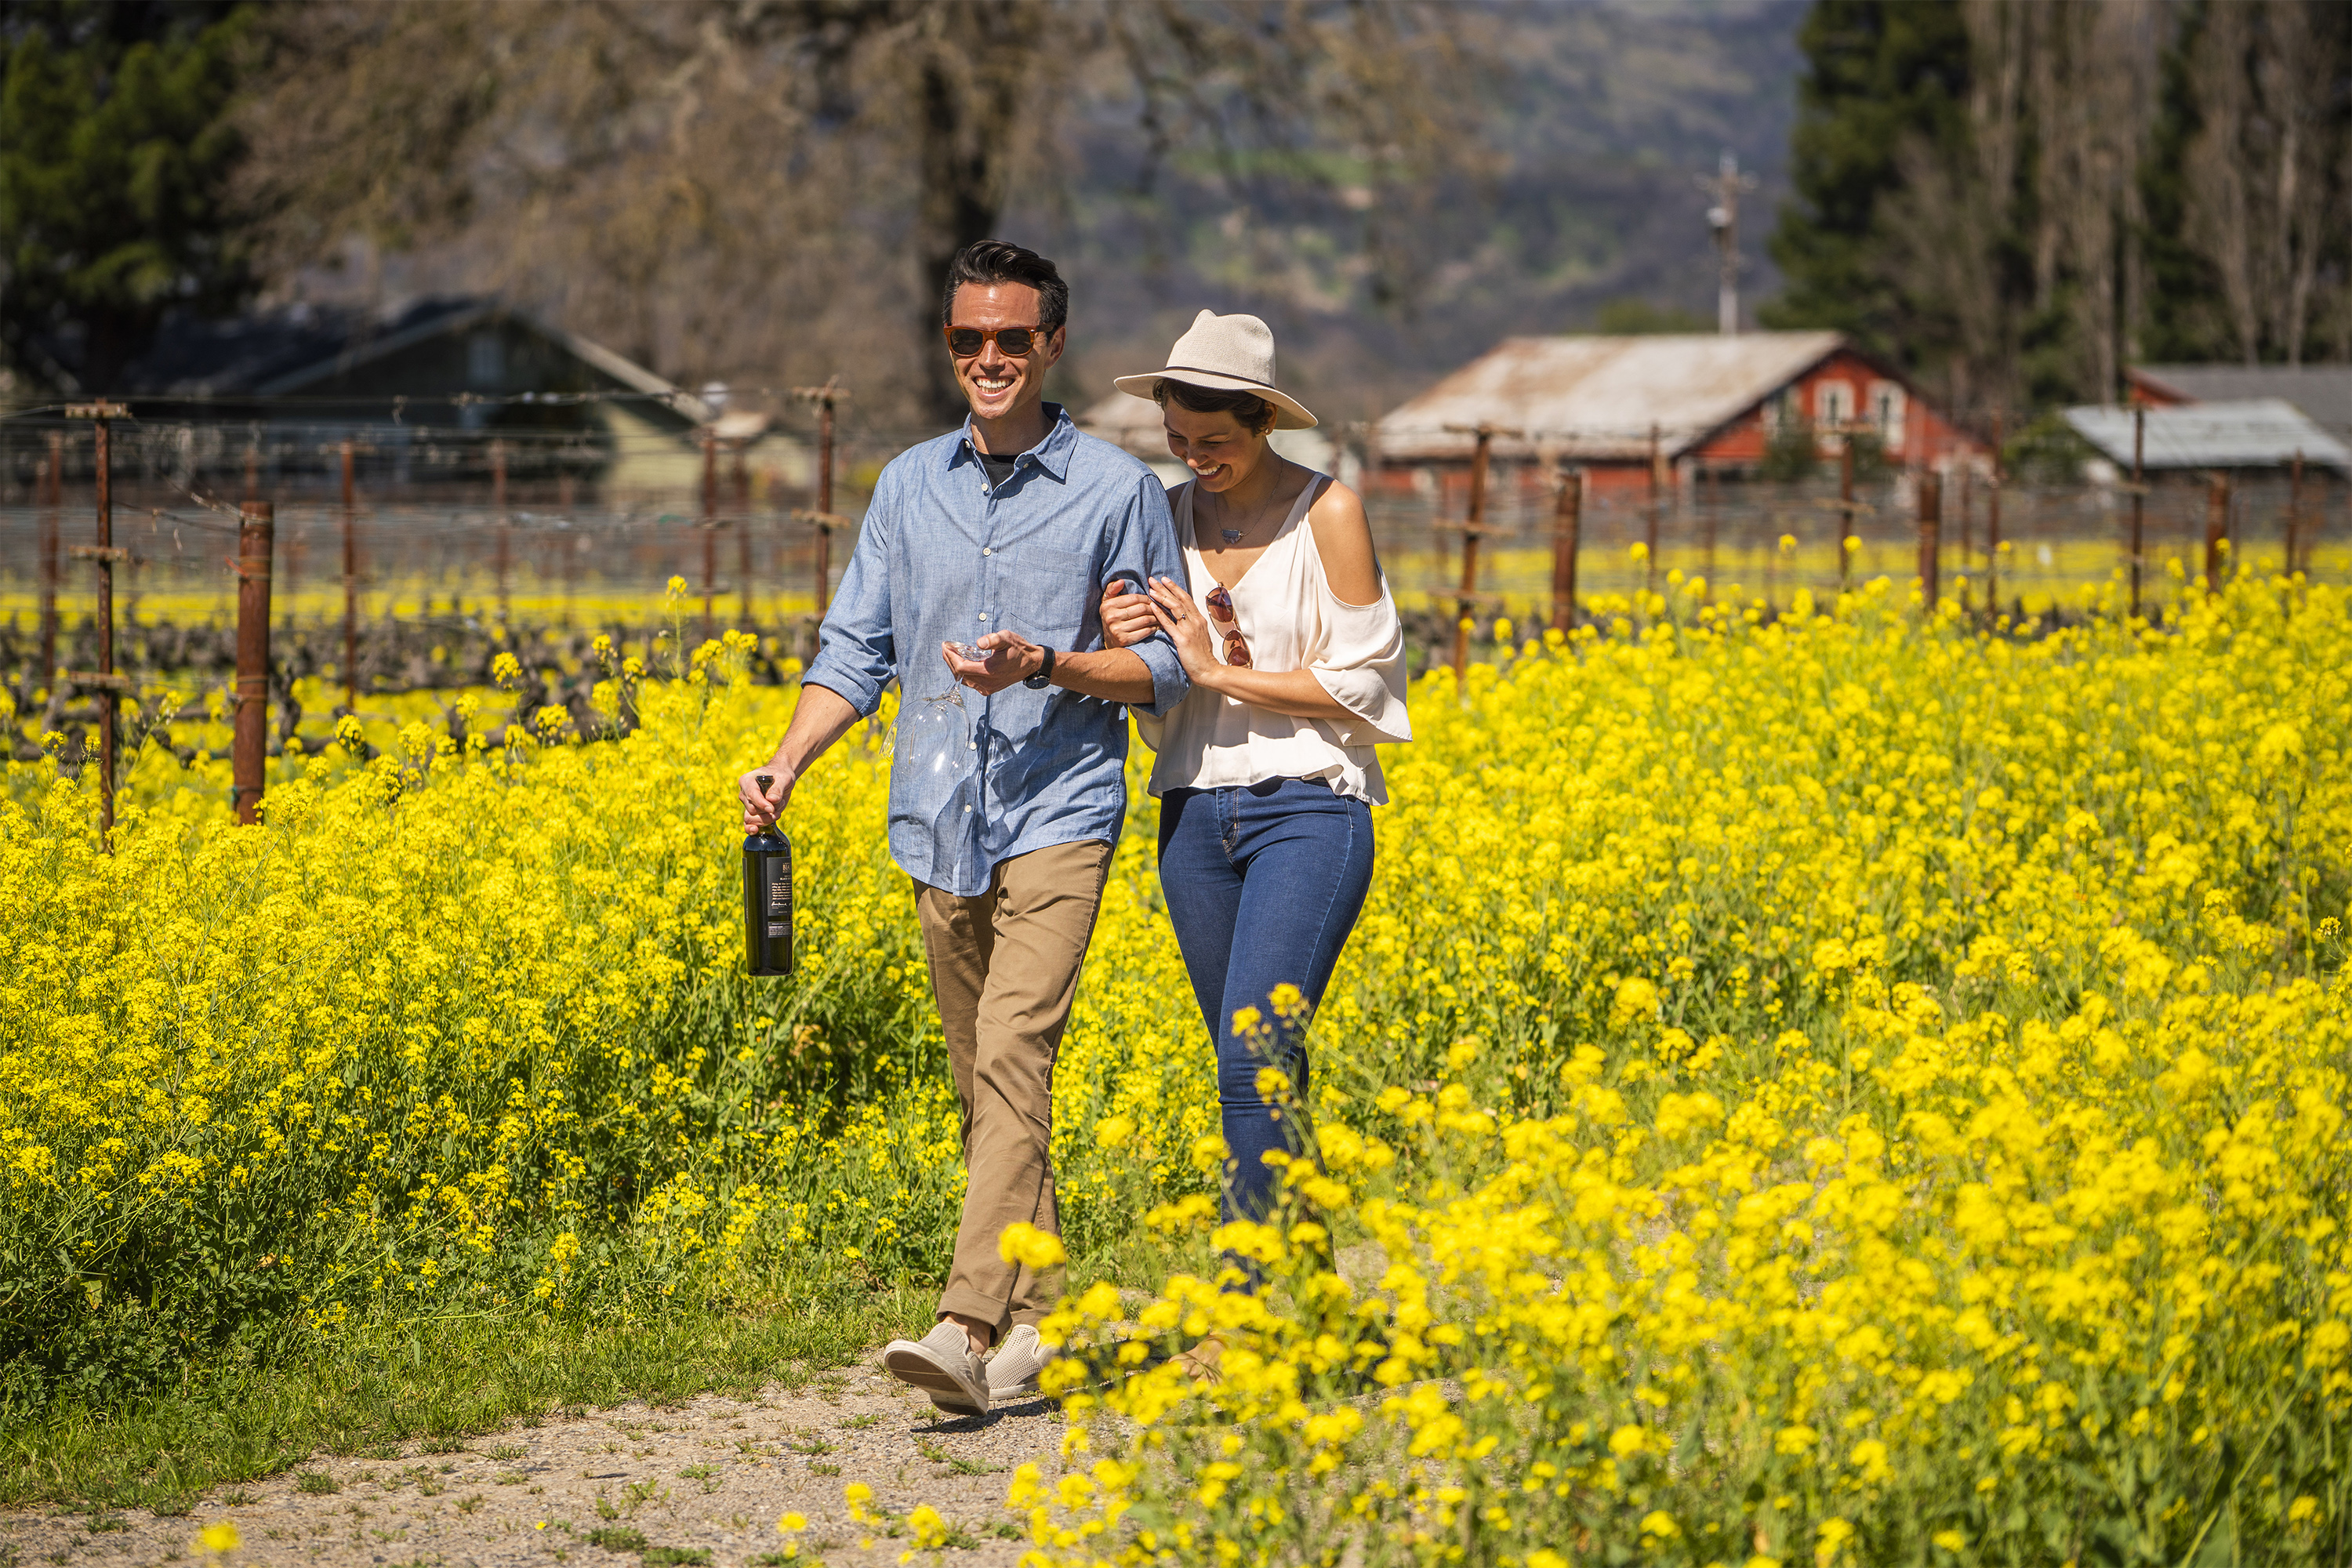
x: 1219, y: 448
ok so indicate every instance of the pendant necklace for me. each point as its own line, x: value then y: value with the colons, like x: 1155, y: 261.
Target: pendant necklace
x: 1234, y: 536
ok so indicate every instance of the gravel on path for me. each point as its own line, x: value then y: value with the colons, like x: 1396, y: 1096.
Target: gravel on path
x: 703, y: 1481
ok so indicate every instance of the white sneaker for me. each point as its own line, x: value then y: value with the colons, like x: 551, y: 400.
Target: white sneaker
x: 943, y: 1365
x: 1015, y: 1367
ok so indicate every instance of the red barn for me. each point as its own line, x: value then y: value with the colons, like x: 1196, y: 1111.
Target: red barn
x: 1688, y: 402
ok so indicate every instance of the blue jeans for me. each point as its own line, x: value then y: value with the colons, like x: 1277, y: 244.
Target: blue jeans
x: 1264, y: 884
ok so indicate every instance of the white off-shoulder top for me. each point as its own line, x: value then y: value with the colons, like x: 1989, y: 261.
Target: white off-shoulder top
x: 1285, y: 611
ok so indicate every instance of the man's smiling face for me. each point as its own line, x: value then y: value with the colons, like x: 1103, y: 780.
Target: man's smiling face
x: 994, y: 383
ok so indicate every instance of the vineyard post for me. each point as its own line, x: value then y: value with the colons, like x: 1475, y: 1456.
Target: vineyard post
x: 107, y: 685
x: 1710, y: 511
x: 709, y: 523
x: 2217, y: 526
x: 2139, y: 501
x: 1567, y: 524
x: 574, y: 542
x: 1968, y: 528
x: 54, y: 486
x: 1846, y: 514
x: 1474, y: 524
x: 1992, y: 526
x: 253, y: 465
x: 1472, y: 527
x: 504, y: 525
x: 824, y: 519
x: 351, y: 589
x: 1657, y: 485
x: 256, y: 534
x: 2293, y: 510
x: 1931, y: 528
x: 743, y: 531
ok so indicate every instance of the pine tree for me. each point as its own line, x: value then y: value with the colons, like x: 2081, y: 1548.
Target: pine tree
x: 1879, y: 73
x: 113, y: 178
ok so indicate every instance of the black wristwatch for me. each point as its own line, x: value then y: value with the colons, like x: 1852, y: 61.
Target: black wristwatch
x: 1045, y: 676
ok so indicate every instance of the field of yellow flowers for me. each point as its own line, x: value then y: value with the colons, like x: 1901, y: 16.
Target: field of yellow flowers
x: 1838, y: 1087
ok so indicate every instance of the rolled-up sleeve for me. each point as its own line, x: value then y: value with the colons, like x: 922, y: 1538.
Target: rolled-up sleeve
x: 1146, y: 548
x: 857, y: 650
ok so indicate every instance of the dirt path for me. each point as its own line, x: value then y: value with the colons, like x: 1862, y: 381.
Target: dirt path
x: 634, y: 1487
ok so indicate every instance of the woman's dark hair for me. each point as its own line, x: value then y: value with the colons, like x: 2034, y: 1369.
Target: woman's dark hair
x: 990, y: 261
x: 1253, y: 412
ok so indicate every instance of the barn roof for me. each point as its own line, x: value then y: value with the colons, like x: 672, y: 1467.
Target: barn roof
x: 2324, y: 392
x: 2255, y: 432
x: 1598, y: 398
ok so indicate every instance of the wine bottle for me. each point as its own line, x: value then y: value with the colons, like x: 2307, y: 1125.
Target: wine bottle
x: 767, y: 897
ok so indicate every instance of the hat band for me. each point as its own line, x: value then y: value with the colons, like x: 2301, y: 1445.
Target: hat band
x: 1228, y: 376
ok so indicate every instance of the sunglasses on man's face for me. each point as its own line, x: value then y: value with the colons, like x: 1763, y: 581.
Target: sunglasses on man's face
x: 1013, y: 342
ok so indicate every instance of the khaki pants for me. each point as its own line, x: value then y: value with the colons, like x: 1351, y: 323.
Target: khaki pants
x: 1004, y: 968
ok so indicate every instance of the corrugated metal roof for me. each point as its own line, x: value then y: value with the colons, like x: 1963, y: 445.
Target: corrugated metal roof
x: 2256, y: 433
x: 2322, y: 391
x: 1597, y: 397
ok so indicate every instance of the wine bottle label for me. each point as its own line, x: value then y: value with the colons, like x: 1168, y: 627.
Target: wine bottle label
x: 780, y: 903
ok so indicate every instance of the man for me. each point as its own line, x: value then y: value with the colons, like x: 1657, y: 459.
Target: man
x: 975, y: 584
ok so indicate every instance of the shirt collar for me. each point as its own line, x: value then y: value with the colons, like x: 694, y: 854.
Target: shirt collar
x: 1052, y: 454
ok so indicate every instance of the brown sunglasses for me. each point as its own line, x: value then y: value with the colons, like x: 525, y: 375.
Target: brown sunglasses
x: 1013, y: 343
x: 1221, y: 615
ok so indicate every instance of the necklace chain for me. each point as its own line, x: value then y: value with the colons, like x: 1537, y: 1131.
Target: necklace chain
x: 1234, y: 536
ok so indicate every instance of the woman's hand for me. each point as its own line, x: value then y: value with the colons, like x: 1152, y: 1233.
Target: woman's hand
x: 1188, y: 628
x: 1127, y: 617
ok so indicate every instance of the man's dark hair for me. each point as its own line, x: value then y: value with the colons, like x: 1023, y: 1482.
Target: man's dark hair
x: 1251, y: 412
x: 989, y: 261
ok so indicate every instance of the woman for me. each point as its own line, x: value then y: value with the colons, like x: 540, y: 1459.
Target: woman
x: 1266, y: 775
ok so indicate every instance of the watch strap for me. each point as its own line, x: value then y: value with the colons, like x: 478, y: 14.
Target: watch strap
x: 1045, y: 676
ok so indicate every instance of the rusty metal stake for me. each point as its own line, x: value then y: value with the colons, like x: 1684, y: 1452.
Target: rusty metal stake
x: 350, y: 588
x: 1567, y: 525
x: 257, y: 532
x: 1931, y: 530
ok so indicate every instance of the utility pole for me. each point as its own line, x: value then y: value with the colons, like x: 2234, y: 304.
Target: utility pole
x: 1657, y: 486
x: 1727, y: 185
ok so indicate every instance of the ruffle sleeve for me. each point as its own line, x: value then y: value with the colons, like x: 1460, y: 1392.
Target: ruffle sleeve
x: 1361, y: 662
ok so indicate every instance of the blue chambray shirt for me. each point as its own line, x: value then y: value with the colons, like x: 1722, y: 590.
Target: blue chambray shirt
x: 944, y: 557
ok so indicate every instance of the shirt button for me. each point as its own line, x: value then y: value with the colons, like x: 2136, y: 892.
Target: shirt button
x: 983, y: 615
x: 971, y: 746
x: 984, y: 551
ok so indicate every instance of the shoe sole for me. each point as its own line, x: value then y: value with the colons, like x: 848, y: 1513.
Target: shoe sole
x: 946, y: 1390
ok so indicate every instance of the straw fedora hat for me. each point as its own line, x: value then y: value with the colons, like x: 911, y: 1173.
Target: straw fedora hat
x: 1230, y: 353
